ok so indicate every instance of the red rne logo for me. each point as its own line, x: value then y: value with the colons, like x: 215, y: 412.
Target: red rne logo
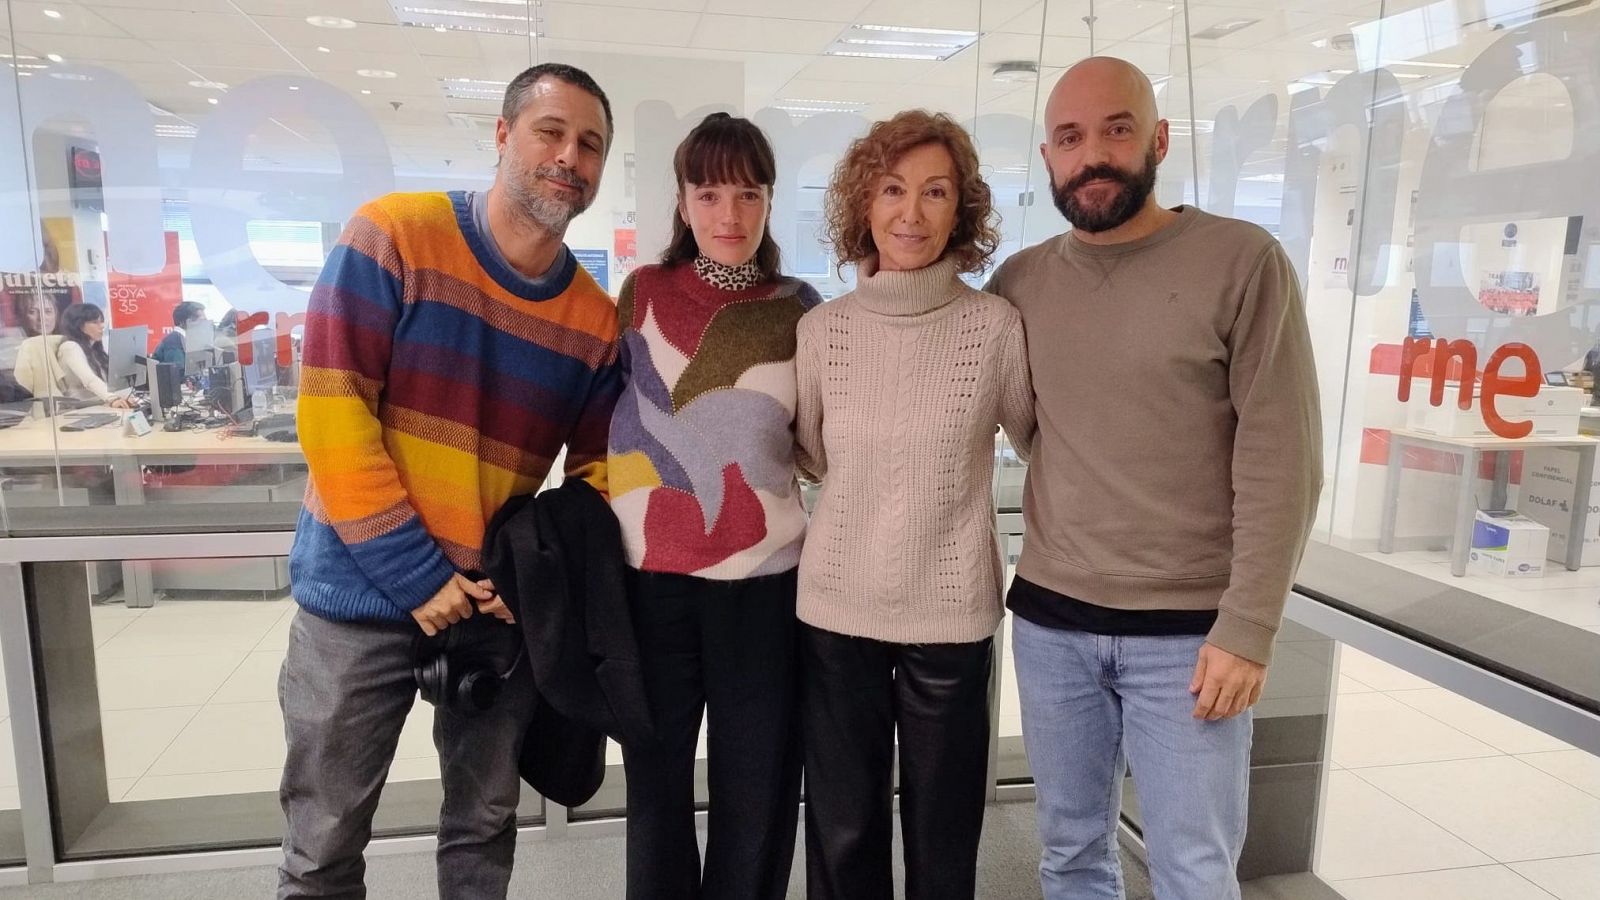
x: 1463, y: 355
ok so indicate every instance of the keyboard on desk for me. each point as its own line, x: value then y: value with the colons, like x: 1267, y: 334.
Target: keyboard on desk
x: 92, y: 420
x: 274, y: 422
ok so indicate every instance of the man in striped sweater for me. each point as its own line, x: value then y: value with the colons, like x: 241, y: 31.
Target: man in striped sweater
x: 452, y: 347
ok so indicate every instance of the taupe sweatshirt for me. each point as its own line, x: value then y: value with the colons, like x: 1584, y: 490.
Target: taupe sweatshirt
x: 1178, y: 459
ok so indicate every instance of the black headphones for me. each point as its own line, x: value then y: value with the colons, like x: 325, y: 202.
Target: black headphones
x: 463, y: 680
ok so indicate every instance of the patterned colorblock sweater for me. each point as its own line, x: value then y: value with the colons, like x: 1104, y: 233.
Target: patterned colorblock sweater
x: 702, y: 443
x: 436, y: 383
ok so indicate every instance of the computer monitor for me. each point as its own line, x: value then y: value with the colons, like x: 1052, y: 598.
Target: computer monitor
x: 127, y: 348
x: 201, y: 335
x: 262, y: 373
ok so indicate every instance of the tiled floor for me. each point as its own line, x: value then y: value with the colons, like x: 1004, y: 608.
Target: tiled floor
x: 1431, y: 796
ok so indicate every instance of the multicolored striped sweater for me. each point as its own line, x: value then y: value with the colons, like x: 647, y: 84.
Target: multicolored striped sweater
x: 702, y: 443
x: 436, y: 383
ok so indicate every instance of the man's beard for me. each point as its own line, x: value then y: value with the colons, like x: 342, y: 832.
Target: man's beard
x: 533, y: 206
x: 1129, y: 199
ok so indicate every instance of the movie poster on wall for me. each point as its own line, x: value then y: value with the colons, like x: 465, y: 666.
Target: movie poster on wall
x: 148, y: 300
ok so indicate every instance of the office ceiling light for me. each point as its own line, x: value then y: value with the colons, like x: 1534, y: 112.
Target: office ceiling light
x: 900, y: 42
x: 208, y: 85
x: 51, y: 14
x: 805, y: 109
x: 1224, y: 28
x: 933, y: 45
x: 1425, y: 65
x: 323, y: 50
x: 366, y: 90
x: 54, y: 57
x: 931, y: 57
x: 473, y: 89
x: 485, y: 145
x: 335, y: 22
x: 71, y: 76
x: 377, y: 73
x: 211, y: 100
x: 175, y: 131
x: 508, y: 17
x: 25, y: 67
x: 906, y: 29
x: 1017, y: 71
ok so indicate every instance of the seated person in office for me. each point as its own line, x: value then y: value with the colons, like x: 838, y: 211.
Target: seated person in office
x: 71, y: 363
x: 171, y: 349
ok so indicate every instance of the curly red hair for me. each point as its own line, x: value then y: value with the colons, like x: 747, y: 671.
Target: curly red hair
x: 976, y: 234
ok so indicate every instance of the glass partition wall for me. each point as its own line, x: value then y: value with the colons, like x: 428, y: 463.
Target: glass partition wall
x: 1427, y: 166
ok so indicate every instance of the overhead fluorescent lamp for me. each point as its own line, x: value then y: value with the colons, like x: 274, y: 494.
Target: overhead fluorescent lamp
x: 815, y: 107
x: 473, y: 16
x: 336, y: 22
x: 1425, y: 65
x: 473, y: 89
x: 929, y: 44
x: 900, y: 42
x: 906, y: 29
x: 865, y: 55
x: 176, y: 131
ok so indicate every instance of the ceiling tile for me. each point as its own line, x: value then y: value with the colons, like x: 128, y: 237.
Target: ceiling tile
x: 184, y: 25
x: 810, y: 10
x: 758, y: 35
x: 637, y: 26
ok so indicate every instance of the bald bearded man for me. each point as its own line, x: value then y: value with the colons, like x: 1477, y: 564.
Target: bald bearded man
x: 1174, y: 479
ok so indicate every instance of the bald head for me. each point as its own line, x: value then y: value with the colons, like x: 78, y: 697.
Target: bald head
x: 1102, y: 82
x: 1103, y: 142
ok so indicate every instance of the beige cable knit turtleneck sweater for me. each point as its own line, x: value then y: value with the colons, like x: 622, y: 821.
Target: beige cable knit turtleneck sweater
x: 902, y: 382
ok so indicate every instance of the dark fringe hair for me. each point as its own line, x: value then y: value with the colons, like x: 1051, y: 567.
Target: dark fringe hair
x: 723, y: 149
x: 71, y: 327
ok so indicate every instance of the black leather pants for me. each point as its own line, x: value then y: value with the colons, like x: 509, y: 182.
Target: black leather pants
x: 856, y: 693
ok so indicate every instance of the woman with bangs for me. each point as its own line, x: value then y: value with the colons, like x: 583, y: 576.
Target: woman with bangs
x: 902, y: 384
x: 702, y: 480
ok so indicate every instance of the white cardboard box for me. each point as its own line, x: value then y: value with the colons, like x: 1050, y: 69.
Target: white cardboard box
x: 1509, y: 544
x: 1548, y: 479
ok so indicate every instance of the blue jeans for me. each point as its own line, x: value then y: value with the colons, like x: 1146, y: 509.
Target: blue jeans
x: 1091, y: 704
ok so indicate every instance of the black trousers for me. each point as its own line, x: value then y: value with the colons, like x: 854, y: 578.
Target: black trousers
x: 725, y: 649
x: 855, y: 694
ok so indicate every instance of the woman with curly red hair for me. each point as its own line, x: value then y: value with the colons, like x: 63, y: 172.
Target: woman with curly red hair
x: 902, y: 382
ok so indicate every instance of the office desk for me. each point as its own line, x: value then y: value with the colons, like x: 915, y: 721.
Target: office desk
x: 41, y: 443
x: 1471, y: 451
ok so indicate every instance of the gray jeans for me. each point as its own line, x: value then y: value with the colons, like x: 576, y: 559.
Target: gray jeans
x: 345, y: 689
